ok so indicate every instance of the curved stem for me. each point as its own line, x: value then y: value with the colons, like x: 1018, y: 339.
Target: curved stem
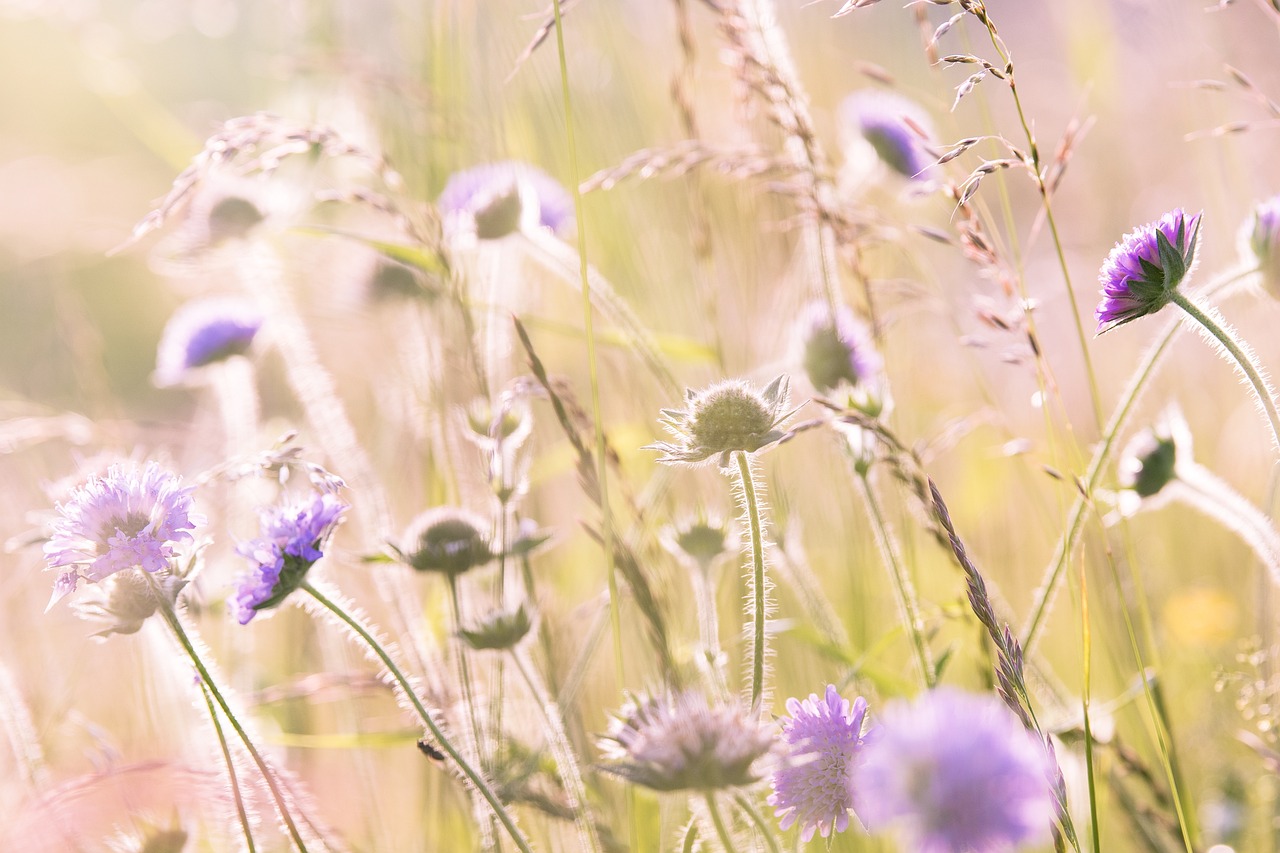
x: 717, y: 820
x: 907, y: 599
x: 472, y: 776
x: 759, y: 591
x: 1207, y: 492
x: 1216, y: 326
x: 236, y: 796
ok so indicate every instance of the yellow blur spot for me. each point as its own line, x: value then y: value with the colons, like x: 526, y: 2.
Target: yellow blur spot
x: 1200, y: 617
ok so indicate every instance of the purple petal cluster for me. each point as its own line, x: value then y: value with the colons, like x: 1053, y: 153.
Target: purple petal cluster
x: 837, y: 349
x: 204, y: 331
x: 1143, y: 270
x: 886, y: 120
x: 472, y: 191
x: 293, y: 537
x: 957, y: 773
x: 824, y: 739
x: 132, y: 517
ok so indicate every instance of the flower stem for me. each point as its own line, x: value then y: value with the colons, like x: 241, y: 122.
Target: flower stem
x: 499, y: 810
x: 1245, y: 361
x: 726, y: 840
x: 907, y: 599
x: 753, y: 814
x: 207, y: 682
x: 231, y: 769
x: 1207, y: 492
x: 464, y: 673
x: 759, y: 590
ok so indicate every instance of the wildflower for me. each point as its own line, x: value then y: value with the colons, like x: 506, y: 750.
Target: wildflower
x: 447, y: 540
x: 675, y: 742
x: 393, y: 280
x: 891, y: 124
x: 499, y: 630
x: 132, y: 517
x: 1145, y: 268
x: 124, y: 601
x: 727, y: 417
x: 497, y: 199
x: 836, y: 348
x: 202, y: 332
x: 293, y: 539
x: 1151, y: 458
x: 824, y: 737
x: 958, y: 773
x: 1262, y: 233
x: 698, y: 542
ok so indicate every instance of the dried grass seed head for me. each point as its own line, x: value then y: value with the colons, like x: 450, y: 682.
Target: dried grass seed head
x: 447, y: 540
x: 728, y: 417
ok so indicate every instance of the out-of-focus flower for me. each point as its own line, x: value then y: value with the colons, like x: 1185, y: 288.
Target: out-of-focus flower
x: 1146, y: 267
x: 202, y: 332
x: 889, y: 123
x: 124, y: 601
x: 676, y: 742
x: 447, y: 540
x: 727, y: 417
x: 132, y: 517
x: 496, y: 199
x: 698, y: 542
x: 293, y: 538
x: 1262, y: 233
x: 1151, y: 458
x: 499, y: 630
x: 957, y: 773
x: 836, y: 349
x: 824, y: 738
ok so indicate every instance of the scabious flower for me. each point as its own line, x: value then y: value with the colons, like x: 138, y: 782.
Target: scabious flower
x: 836, y: 349
x: 1150, y: 460
x: 678, y: 741
x: 1262, y: 236
x: 888, y: 122
x: 202, y: 332
x: 824, y: 740
x: 957, y: 773
x: 1146, y: 267
x: 499, y: 630
x: 497, y: 199
x: 447, y: 540
x: 130, y: 518
x: 293, y: 539
x: 729, y: 416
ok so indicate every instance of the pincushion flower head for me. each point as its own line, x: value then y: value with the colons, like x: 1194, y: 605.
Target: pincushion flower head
x: 889, y: 123
x: 202, y: 332
x: 836, y: 349
x: 496, y: 199
x: 955, y: 773
x: 1146, y: 267
x: 680, y: 741
x: 727, y: 417
x: 132, y: 517
x: 293, y: 537
x: 448, y: 540
x: 1262, y: 233
x: 1151, y: 459
x: 824, y: 740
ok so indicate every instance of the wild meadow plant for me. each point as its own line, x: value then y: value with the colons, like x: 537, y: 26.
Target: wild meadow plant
x: 390, y: 554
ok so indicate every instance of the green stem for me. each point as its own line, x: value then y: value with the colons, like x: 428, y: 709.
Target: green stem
x: 464, y: 672
x: 907, y: 599
x: 472, y: 776
x: 1087, y: 654
x: 236, y: 796
x: 726, y: 840
x: 1101, y: 457
x: 180, y: 633
x: 753, y: 814
x: 1213, y: 323
x: 759, y: 592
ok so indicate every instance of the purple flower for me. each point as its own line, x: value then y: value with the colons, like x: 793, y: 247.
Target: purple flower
x: 499, y: 197
x: 825, y: 739
x: 204, y: 331
x: 1264, y: 241
x: 958, y: 773
x: 1143, y: 270
x: 675, y: 742
x: 836, y: 349
x: 888, y: 122
x: 130, y: 518
x: 293, y: 536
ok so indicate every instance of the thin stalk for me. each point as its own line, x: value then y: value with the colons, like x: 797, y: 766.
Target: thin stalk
x: 464, y: 673
x: 562, y: 752
x: 759, y: 590
x: 236, y: 796
x: 704, y: 595
x: 472, y: 776
x: 1206, y: 491
x: 1102, y: 456
x: 1245, y: 361
x: 907, y: 600
x: 268, y: 776
x: 1086, y: 640
x: 726, y: 840
x: 753, y: 814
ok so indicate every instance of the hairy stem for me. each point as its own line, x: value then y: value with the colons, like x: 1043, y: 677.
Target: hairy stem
x: 759, y: 589
x: 236, y: 796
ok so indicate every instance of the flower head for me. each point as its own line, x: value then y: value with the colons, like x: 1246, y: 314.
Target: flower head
x: 824, y: 739
x: 1146, y: 267
x: 888, y: 123
x: 202, y: 332
x: 836, y: 349
x: 957, y: 773
x: 124, y: 601
x: 499, y: 630
x: 1151, y: 458
x: 698, y: 542
x: 132, y: 517
x: 497, y: 199
x: 447, y: 540
x: 1262, y: 233
x: 727, y: 417
x: 675, y: 742
x: 293, y: 539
